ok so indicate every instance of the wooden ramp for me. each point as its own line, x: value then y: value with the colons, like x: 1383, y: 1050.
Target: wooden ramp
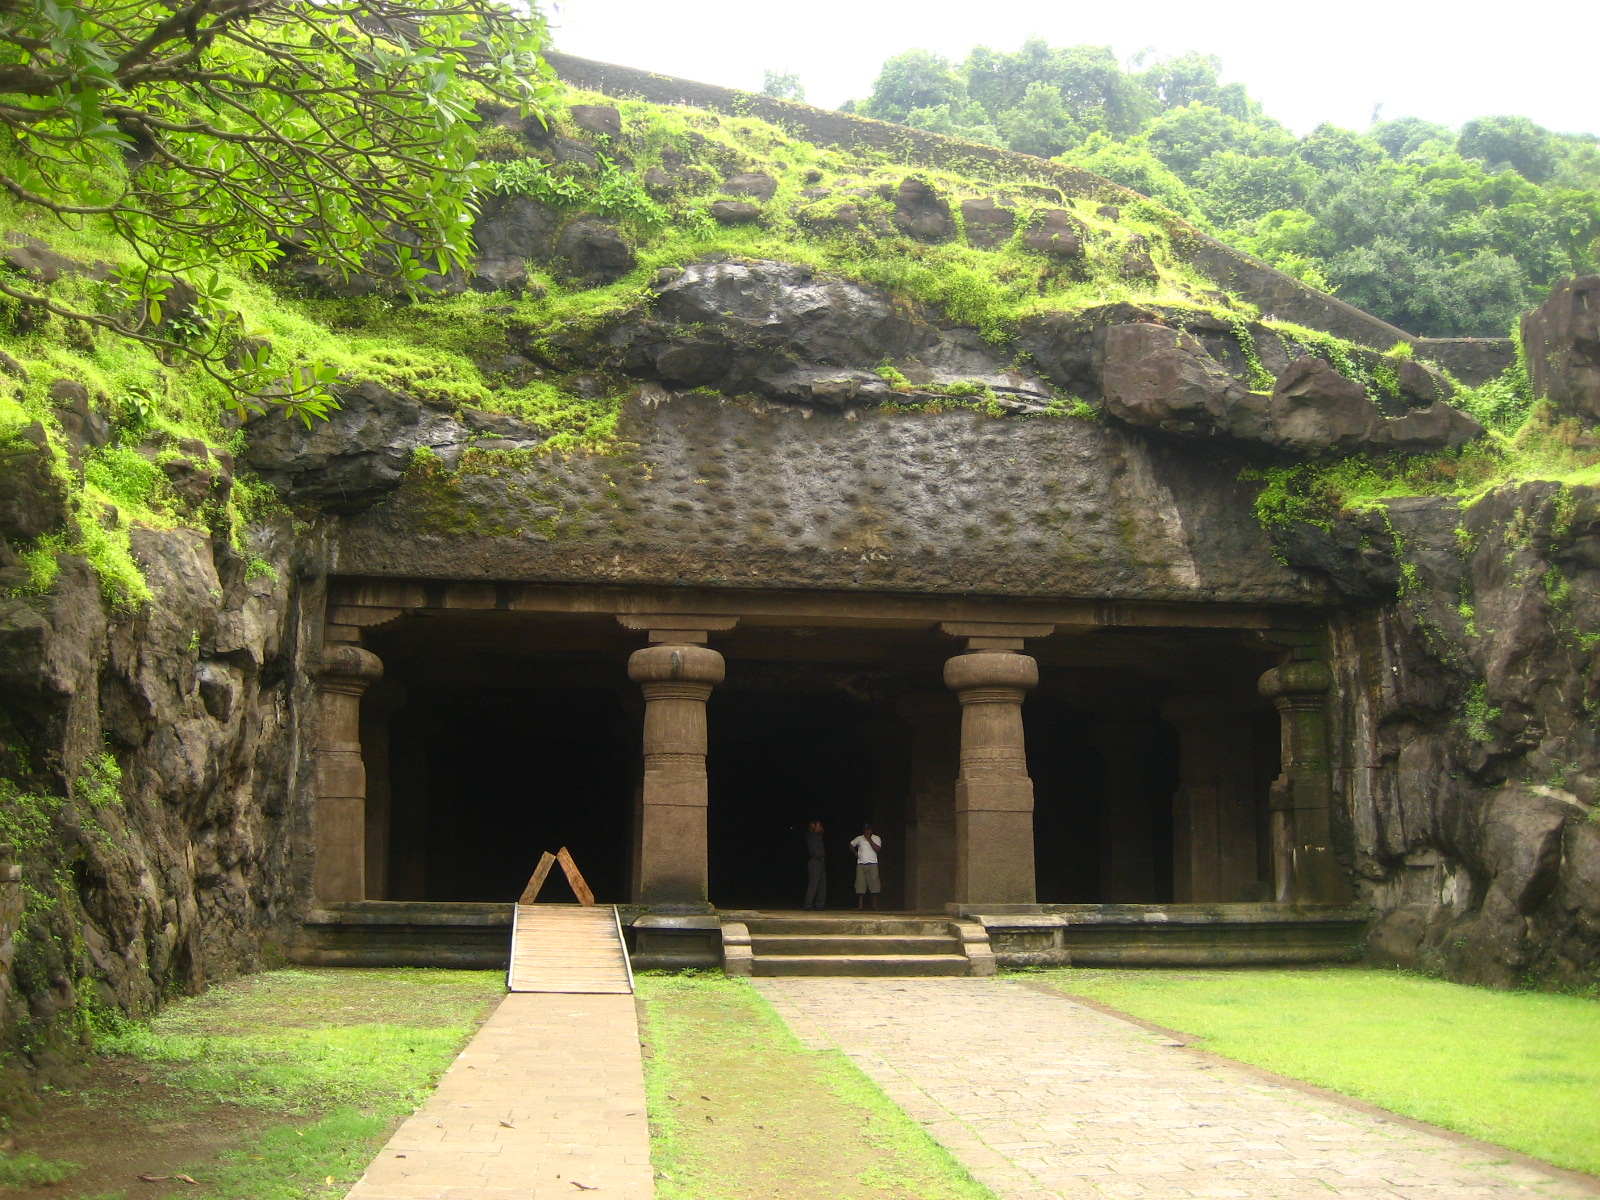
x: 568, y: 948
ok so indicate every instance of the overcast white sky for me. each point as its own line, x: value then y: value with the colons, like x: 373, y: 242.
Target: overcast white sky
x: 1328, y: 61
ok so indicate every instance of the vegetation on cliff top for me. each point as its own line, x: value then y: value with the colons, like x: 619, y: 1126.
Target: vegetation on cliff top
x: 657, y: 182
x: 1440, y: 231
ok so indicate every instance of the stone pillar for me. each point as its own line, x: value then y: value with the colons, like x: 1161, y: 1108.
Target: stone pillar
x: 1304, y: 867
x: 994, y: 795
x: 676, y: 675
x: 341, y: 814
x: 1214, y: 811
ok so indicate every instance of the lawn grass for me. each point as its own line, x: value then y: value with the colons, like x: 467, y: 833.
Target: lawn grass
x: 1520, y: 1069
x: 740, y: 1110
x: 278, y: 1086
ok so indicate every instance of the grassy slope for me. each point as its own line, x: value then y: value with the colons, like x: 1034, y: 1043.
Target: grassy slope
x: 739, y: 1110
x: 322, y: 1062
x: 1520, y: 1069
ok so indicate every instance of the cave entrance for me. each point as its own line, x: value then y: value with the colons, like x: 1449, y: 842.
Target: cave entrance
x: 482, y: 780
x: 1103, y: 804
x: 778, y: 759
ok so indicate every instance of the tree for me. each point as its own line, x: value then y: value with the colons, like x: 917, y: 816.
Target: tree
x: 211, y: 132
x: 782, y: 85
x: 1526, y: 148
x: 1133, y: 166
x: 909, y: 81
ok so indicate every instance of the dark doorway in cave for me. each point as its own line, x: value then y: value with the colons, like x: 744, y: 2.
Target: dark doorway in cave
x: 1102, y: 817
x: 485, y: 779
x: 775, y: 761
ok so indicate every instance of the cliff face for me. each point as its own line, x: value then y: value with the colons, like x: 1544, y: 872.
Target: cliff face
x: 1468, y: 738
x: 150, y: 763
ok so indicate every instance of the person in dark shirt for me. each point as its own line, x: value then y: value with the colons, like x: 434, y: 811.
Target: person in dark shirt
x: 816, y: 868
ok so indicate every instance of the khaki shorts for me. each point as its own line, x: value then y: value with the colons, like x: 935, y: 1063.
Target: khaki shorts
x: 866, y: 877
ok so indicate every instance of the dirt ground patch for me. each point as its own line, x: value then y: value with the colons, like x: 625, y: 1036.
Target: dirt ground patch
x: 280, y: 1086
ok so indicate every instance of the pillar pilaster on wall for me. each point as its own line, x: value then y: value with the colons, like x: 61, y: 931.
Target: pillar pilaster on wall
x: 676, y: 673
x: 933, y: 722
x: 1304, y: 866
x: 994, y: 794
x: 347, y: 670
x: 1214, y: 838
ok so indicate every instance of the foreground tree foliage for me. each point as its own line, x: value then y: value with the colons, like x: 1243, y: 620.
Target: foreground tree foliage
x: 211, y: 132
x: 1443, y: 232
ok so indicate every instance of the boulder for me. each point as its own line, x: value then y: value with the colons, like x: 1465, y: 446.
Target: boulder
x: 1562, y: 341
x: 1054, y: 232
x: 1160, y: 378
x: 825, y: 220
x: 84, y: 428
x: 921, y: 213
x: 1315, y: 409
x: 735, y: 212
x: 659, y: 183
x: 602, y: 119
x: 510, y: 232
x: 33, y: 499
x: 781, y: 332
x: 1136, y: 261
x: 594, y: 252
x: 362, y: 451
x: 1420, y: 387
x: 988, y: 223
x: 36, y: 260
x: 751, y: 183
x: 1436, y: 427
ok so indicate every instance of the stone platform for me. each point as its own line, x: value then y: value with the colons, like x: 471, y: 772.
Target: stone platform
x: 382, y: 933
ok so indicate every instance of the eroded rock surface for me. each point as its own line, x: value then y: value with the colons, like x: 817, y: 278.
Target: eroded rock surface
x: 1466, y: 729
x: 782, y: 333
x: 1562, y: 341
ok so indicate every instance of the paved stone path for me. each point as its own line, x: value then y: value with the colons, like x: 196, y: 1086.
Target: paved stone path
x: 1043, y: 1098
x: 548, y: 1096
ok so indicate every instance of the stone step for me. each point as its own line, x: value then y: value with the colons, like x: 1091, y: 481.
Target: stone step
x: 846, y: 943
x: 859, y: 964
x: 851, y: 926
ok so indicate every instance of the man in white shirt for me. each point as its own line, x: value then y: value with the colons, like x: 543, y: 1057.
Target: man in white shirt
x: 866, y: 847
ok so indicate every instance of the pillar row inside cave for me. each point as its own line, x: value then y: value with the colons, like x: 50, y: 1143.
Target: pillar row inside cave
x: 1110, y: 785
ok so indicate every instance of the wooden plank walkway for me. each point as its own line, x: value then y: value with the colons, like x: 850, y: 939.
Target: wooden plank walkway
x: 568, y: 948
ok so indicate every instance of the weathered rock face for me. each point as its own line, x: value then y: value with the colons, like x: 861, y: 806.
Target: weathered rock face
x: 707, y: 492
x: 1162, y: 378
x: 1562, y: 341
x: 1466, y: 731
x: 362, y: 452
x: 149, y: 759
x: 781, y: 333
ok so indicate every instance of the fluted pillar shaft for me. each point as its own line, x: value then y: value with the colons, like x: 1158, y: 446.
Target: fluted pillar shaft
x: 341, y: 812
x: 676, y: 681
x: 994, y: 795
x: 1304, y: 867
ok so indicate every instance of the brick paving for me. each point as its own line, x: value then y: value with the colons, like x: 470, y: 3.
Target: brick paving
x: 1043, y: 1098
x: 547, y: 1100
